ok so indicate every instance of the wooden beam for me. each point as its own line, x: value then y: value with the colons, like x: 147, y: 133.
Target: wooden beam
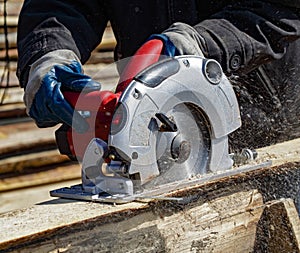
x: 281, y: 153
x: 12, y: 200
x: 108, y: 42
x: 12, y: 6
x: 32, y: 138
x: 11, y: 21
x: 12, y: 110
x: 12, y: 54
x: 229, y: 223
x: 139, y: 227
x: 11, y: 37
x: 49, y: 175
x: 11, y: 95
x: 222, y: 215
x: 34, y: 160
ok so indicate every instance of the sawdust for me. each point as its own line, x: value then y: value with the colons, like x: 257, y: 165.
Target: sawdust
x: 269, y: 103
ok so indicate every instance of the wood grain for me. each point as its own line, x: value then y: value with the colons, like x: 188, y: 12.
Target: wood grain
x: 139, y: 227
x: 225, y: 215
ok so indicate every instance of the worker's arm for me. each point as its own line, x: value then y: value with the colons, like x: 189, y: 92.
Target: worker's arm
x: 54, y: 39
x: 242, y: 36
x: 51, y: 75
x: 49, y: 25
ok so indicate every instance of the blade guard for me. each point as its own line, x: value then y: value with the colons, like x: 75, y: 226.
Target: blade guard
x: 184, y: 79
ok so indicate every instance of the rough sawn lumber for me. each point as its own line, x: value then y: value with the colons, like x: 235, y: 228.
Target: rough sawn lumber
x: 223, y: 223
x: 227, y: 215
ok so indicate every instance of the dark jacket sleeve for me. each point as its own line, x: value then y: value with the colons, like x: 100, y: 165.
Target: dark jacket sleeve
x: 287, y: 3
x: 49, y: 25
x: 247, y: 34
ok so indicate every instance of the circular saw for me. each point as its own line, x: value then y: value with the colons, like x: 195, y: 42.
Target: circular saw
x: 170, y: 125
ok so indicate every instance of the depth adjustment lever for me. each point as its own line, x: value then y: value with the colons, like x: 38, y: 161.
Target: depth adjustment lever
x: 167, y: 124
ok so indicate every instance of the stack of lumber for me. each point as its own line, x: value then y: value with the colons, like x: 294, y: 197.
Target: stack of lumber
x: 13, y: 8
x: 23, y: 146
x: 10, y: 94
x: 28, y: 155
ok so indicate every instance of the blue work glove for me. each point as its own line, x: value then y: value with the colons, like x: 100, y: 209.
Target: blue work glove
x: 49, y: 76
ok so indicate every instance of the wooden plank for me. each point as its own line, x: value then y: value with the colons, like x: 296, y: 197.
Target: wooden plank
x: 108, y: 42
x: 12, y: 54
x: 13, y: 65
x: 12, y: 21
x: 13, y: 80
x: 281, y: 153
x: 12, y: 95
x: 19, y: 163
x: 8, y: 130
x: 161, y: 226
x: 100, y: 57
x: 22, y: 138
x: 13, y: 8
x: 48, y: 175
x: 14, y: 110
x: 144, y: 228
x: 27, y: 197
x: 11, y: 37
x: 231, y: 223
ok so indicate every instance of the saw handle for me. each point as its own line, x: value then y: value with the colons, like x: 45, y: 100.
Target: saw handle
x: 148, y: 54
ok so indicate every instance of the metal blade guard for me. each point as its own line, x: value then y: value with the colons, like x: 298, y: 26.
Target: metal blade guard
x: 171, y: 124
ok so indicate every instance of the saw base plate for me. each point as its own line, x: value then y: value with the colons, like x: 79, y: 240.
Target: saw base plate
x: 159, y: 193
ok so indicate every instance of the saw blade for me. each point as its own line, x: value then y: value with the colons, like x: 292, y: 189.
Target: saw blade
x: 184, y: 153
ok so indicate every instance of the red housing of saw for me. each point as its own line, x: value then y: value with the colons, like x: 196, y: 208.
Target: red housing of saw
x: 98, y: 107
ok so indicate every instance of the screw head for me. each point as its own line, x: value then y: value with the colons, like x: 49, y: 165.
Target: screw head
x: 186, y: 63
x: 134, y: 155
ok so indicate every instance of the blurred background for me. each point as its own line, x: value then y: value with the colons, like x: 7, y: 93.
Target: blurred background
x: 30, y: 164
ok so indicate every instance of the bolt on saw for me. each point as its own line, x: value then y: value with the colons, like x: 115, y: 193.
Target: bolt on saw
x: 166, y: 126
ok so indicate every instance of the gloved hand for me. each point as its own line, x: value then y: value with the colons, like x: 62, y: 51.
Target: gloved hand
x: 49, y: 76
x: 181, y: 39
